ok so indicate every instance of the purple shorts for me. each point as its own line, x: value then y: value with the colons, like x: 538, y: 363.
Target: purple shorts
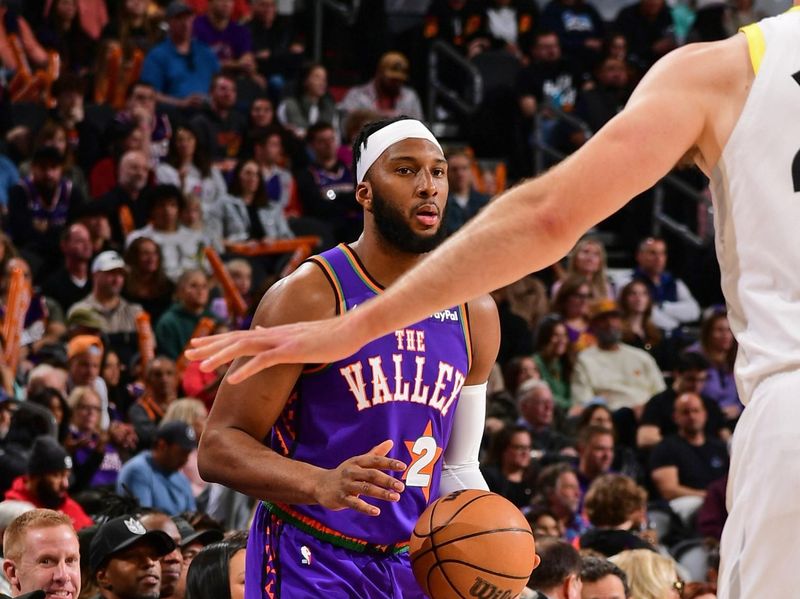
x: 284, y: 561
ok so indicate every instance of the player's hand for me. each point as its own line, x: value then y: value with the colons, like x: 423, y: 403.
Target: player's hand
x: 318, y: 342
x: 363, y: 475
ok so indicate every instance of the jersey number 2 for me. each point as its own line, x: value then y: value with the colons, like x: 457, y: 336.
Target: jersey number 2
x: 425, y: 452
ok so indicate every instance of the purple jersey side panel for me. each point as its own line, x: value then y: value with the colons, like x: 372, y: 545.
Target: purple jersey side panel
x: 403, y: 387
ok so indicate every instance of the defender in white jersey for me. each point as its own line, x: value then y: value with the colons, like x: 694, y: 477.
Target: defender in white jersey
x: 729, y: 106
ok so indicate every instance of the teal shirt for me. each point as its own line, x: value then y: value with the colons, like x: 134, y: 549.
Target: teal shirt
x: 553, y: 375
x: 175, y: 328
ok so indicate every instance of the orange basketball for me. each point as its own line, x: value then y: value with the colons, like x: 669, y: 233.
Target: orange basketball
x: 472, y: 544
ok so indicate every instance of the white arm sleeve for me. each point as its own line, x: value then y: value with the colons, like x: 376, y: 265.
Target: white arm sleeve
x: 460, y: 469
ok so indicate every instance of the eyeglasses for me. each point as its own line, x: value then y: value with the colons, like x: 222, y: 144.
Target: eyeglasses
x: 85, y: 408
x: 519, y: 447
x: 679, y: 585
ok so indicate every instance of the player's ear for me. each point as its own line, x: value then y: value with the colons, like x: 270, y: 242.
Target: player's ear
x: 102, y: 579
x: 536, y: 560
x: 10, y: 572
x: 364, y: 195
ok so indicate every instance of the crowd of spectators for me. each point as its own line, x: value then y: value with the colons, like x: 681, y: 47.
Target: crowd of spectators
x: 141, y: 139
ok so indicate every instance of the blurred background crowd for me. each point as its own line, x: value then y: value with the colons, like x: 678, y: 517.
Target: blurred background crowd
x: 162, y: 164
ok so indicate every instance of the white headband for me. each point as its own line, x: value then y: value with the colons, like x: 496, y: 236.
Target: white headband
x: 383, y: 138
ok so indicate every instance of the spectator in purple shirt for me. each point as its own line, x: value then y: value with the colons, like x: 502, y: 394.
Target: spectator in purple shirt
x: 96, y: 461
x: 40, y: 206
x: 230, y: 42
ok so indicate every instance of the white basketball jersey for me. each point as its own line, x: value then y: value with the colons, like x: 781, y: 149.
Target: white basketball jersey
x: 756, y: 190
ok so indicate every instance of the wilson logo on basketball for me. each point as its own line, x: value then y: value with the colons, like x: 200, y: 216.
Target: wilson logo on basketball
x: 486, y: 590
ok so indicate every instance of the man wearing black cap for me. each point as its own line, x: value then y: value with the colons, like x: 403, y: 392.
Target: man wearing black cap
x: 154, y: 476
x: 47, y: 481
x: 40, y: 206
x: 192, y: 540
x: 124, y: 558
x: 189, y: 543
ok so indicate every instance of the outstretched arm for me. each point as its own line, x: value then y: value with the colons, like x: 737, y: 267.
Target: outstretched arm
x: 536, y: 223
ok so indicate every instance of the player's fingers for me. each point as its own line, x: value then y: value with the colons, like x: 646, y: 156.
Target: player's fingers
x: 211, y: 339
x: 213, y: 348
x: 382, y: 448
x: 354, y: 503
x: 359, y: 487
x: 201, y: 352
x: 257, y: 363
x: 379, y: 462
x: 241, y: 348
x: 381, y: 479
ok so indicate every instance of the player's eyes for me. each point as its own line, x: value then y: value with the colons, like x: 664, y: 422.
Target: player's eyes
x: 438, y: 172
x: 404, y: 170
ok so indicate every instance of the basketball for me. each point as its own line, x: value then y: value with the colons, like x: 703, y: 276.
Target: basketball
x: 472, y: 544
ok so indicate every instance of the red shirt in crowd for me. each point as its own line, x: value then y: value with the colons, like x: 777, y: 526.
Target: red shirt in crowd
x: 19, y: 492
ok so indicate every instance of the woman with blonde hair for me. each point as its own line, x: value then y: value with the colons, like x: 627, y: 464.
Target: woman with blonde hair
x: 588, y: 260
x: 194, y: 413
x: 650, y: 575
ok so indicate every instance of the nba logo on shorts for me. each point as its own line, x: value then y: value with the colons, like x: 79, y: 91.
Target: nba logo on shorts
x: 306, y: 553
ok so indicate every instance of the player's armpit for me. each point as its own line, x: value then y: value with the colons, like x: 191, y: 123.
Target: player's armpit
x: 484, y: 323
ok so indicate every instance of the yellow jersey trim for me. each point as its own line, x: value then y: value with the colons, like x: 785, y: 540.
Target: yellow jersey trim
x: 756, y: 44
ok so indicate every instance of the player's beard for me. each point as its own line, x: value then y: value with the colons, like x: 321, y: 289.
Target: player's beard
x: 394, y: 228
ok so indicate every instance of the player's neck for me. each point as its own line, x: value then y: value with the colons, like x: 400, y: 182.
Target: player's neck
x: 383, y: 262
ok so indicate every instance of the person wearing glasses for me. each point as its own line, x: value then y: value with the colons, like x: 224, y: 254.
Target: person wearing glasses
x: 96, y: 460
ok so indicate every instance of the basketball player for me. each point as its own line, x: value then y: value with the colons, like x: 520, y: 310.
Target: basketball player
x: 357, y: 447
x: 731, y: 107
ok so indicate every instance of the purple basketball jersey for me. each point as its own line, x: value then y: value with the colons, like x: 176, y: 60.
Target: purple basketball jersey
x: 404, y: 386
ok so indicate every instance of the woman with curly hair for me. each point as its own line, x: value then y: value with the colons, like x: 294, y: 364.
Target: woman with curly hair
x: 617, y: 508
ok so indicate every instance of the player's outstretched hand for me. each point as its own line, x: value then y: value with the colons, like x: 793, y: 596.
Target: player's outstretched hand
x: 317, y: 342
x: 362, y: 475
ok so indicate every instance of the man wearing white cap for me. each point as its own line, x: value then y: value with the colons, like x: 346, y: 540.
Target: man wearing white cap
x: 341, y: 437
x: 108, y: 278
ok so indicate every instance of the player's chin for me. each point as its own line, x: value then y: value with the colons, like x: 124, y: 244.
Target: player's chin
x: 426, y: 229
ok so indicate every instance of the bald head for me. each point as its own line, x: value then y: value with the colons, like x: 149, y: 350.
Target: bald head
x: 76, y: 242
x: 689, y: 414
x: 133, y: 171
